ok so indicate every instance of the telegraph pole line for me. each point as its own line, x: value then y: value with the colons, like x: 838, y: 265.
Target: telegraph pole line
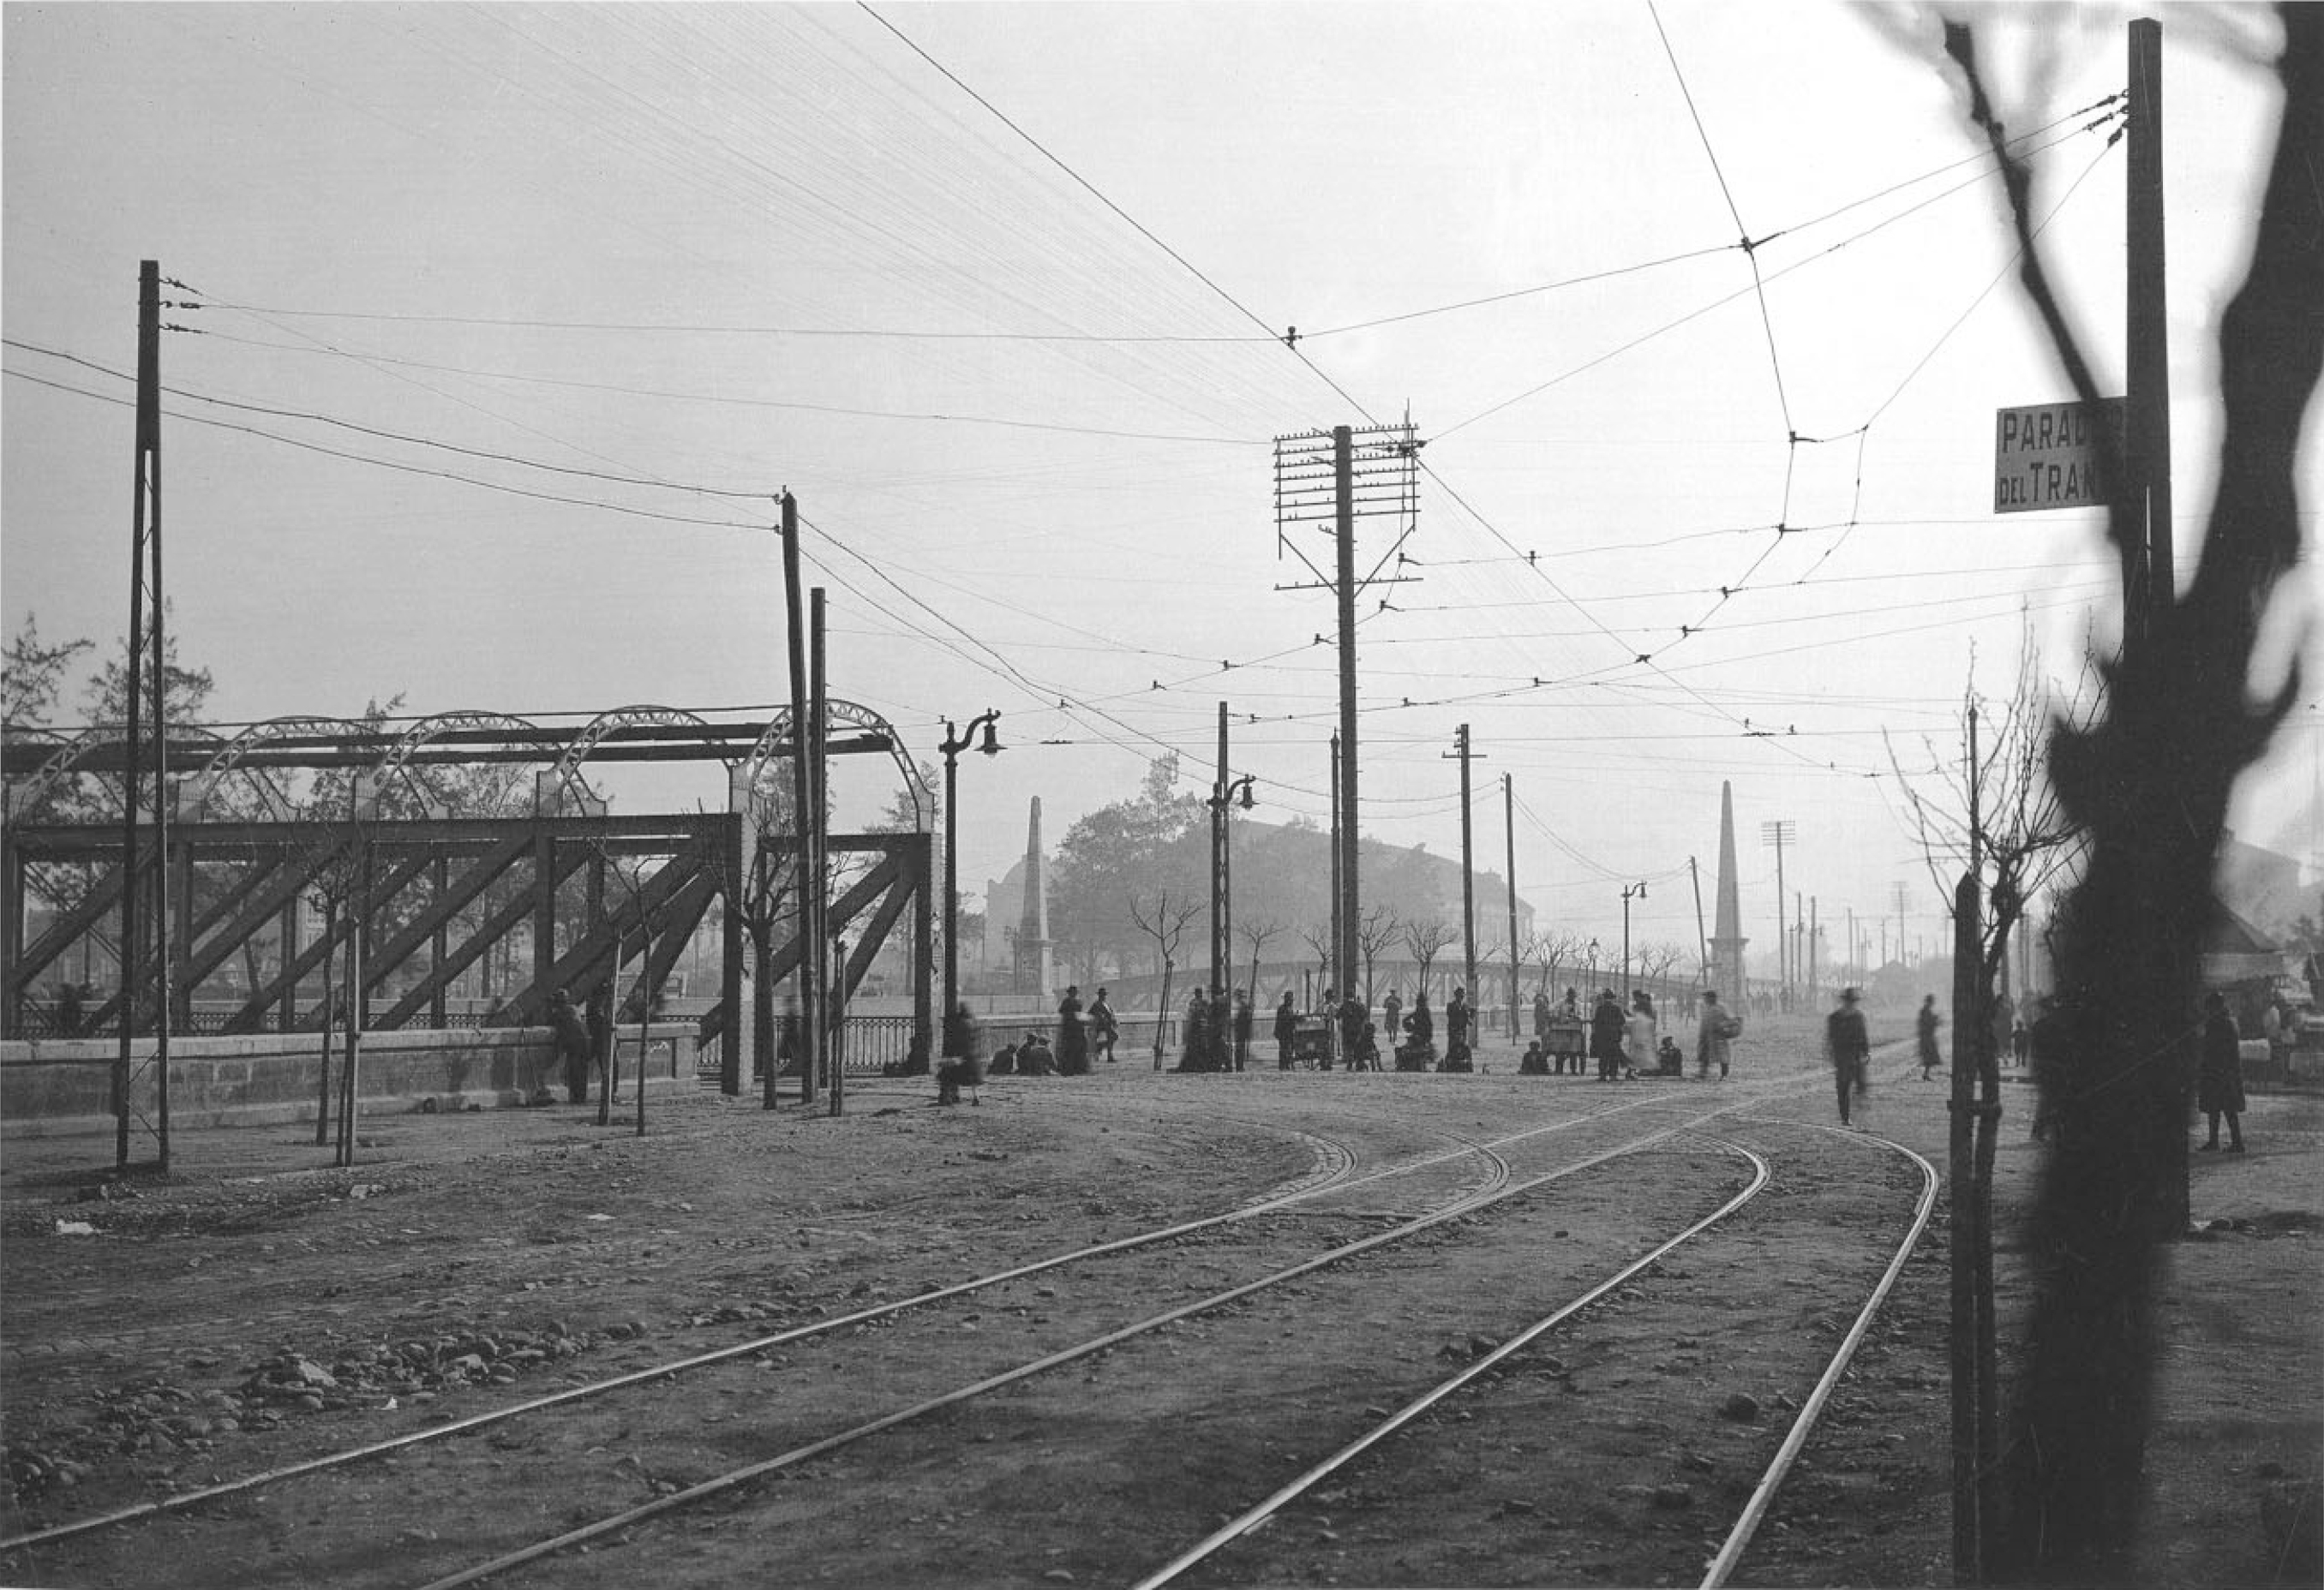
x: 2150, y: 581
x: 1517, y: 959
x: 1702, y: 938
x: 1779, y: 833
x: 1222, y: 953
x: 1468, y: 867
x: 1318, y: 477
x: 1331, y: 972
x: 1345, y: 519
x: 802, y: 803
x: 147, y: 649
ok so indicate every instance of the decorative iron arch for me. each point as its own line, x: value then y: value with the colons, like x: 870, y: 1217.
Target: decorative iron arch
x: 194, y: 795
x: 30, y: 793
x: 778, y: 730
x: 569, y: 765
x: 397, y: 762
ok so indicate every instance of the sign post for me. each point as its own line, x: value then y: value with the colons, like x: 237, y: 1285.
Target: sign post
x: 2046, y: 455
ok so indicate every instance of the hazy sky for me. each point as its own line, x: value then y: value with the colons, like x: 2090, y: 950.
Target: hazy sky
x: 733, y: 249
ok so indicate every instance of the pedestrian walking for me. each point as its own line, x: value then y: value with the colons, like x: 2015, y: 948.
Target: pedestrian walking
x: 1392, y: 1017
x: 1541, y: 1009
x: 1243, y: 1016
x: 1330, y: 1011
x: 1924, y: 1025
x: 1355, y: 1016
x: 1714, y: 1035
x: 1286, y: 1031
x: 2220, y: 1083
x: 1104, y: 1029
x: 1850, y: 1047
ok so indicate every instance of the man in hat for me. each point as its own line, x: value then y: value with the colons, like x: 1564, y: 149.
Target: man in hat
x: 1713, y: 1034
x: 1607, y: 1027
x: 1104, y: 1027
x: 1850, y: 1047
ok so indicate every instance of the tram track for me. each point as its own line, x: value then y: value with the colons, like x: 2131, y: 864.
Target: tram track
x: 1328, y: 1178
x: 1335, y: 1171
x: 1216, y: 1550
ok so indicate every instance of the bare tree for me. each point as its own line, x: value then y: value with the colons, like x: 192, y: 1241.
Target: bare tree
x: 1376, y: 928
x: 1256, y: 934
x: 1426, y: 939
x: 1655, y: 961
x: 1163, y: 920
x: 1317, y: 937
x: 2149, y: 783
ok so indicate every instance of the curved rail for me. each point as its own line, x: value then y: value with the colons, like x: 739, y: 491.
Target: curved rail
x: 1251, y: 1518
x: 1756, y: 1509
x: 721, y: 1484
x: 1299, y: 1193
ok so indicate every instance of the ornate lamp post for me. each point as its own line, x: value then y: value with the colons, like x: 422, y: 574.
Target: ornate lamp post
x: 955, y: 742
x: 1222, y: 797
x: 1637, y: 891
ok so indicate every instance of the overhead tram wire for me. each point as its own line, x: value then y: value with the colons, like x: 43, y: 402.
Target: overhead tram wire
x: 1131, y: 221
x: 483, y: 454
x: 789, y: 405
x: 954, y: 335
x: 1864, y: 432
x: 1726, y: 298
x: 386, y: 464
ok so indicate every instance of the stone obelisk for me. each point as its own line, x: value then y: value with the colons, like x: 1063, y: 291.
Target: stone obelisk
x: 1727, y: 941
x: 1030, y: 974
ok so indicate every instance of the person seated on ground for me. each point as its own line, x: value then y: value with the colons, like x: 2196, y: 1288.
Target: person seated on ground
x: 1458, y: 1057
x: 1670, y: 1060
x: 1004, y: 1064
x: 965, y: 1043
x: 1534, y: 1063
x: 1035, y: 1058
x: 1367, y: 1055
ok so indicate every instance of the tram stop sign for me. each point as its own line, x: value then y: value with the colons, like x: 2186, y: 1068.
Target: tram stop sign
x: 2046, y: 455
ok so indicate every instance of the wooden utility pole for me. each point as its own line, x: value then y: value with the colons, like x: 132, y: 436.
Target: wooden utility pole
x: 1333, y: 973
x: 1350, y: 892
x: 802, y: 803
x: 1221, y: 951
x: 818, y: 897
x: 1468, y: 869
x: 2147, y: 411
x: 148, y: 651
x: 1517, y: 959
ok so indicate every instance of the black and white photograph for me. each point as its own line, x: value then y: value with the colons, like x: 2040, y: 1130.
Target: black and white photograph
x: 1134, y: 792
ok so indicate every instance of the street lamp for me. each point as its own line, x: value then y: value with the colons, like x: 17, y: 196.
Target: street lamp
x: 1222, y: 797
x: 955, y: 742
x: 1593, y: 963
x: 1637, y: 891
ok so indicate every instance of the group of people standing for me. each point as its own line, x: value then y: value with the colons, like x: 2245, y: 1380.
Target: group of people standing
x: 1625, y: 1042
x: 1218, y: 1036
x: 1081, y: 1035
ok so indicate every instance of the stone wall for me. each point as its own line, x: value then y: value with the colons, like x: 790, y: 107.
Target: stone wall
x: 54, y: 1086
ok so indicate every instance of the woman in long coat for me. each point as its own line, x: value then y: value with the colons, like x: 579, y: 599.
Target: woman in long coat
x: 2219, y: 1084
x: 1638, y: 1035
x: 1605, y: 1035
